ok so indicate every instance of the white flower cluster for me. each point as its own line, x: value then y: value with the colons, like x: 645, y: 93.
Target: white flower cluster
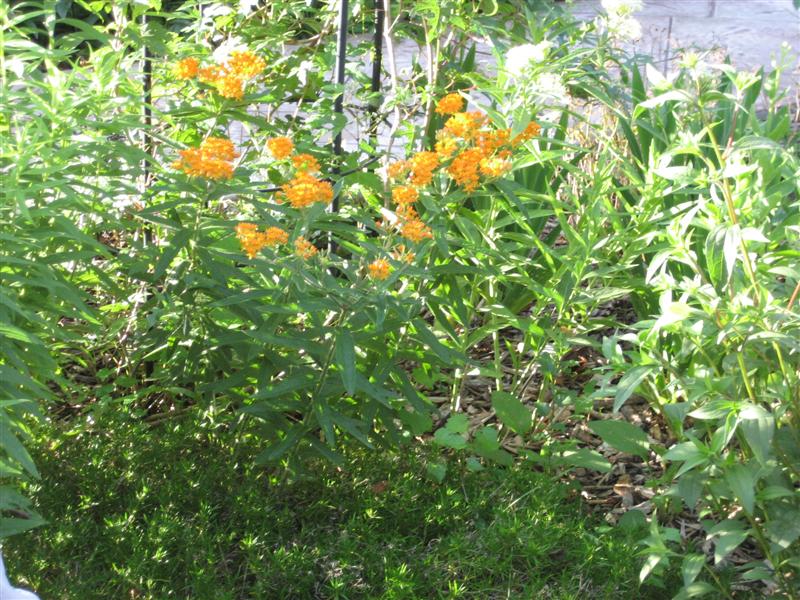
x: 520, y: 58
x: 548, y: 89
x: 532, y: 87
x: 619, y: 19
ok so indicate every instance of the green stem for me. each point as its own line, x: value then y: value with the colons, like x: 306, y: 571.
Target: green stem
x: 745, y: 378
x: 728, y: 196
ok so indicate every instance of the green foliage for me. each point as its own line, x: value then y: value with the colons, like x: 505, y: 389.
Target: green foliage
x: 715, y: 351
x: 131, y: 512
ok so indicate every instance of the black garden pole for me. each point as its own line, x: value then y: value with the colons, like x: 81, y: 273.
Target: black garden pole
x: 149, y: 150
x: 147, y: 138
x: 377, y: 63
x: 338, y: 103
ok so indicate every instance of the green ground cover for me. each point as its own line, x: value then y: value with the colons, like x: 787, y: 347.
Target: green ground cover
x: 177, y: 511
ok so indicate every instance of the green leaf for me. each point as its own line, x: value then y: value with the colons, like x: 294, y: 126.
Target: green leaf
x: 758, y: 427
x: 486, y: 444
x: 623, y: 436
x: 168, y: 255
x: 511, y: 412
x: 670, y: 96
x: 587, y: 459
x: 474, y: 464
x: 728, y: 535
x: 650, y: 563
x: 417, y: 422
x: 346, y: 360
x: 628, y: 384
x: 15, y: 449
x: 689, y: 453
x: 743, y: 484
x: 690, y: 487
x: 436, y: 471
x: 691, y: 567
x: 453, y: 434
x: 783, y: 528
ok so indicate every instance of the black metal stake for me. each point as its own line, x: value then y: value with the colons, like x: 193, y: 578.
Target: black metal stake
x: 338, y: 103
x: 377, y: 64
x: 147, y: 146
x: 147, y: 138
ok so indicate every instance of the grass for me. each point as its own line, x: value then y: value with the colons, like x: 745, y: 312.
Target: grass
x: 179, y: 511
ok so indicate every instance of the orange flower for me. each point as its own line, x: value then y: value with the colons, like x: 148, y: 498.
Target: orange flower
x: 280, y: 147
x: 230, y: 86
x: 211, y: 160
x: 221, y: 148
x: 446, y: 146
x: 210, y: 74
x: 451, y: 103
x: 407, y: 212
x: 422, y: 166
x: 531, y: 131
x: 490, y: 141
x: 495, y: 166
x: 379, y: 269
x: 465, y: 125
x: 304, y: 249
x: 274, y: 236
x: 251, y: 239
x: 405, y: 194
x: 305, y: 189
x: 229, y: 78
x: 464, y: 168
x: 186, y: 68
x: 415, y: 230
x: 305, y: 162
x: 245, y: 64
x: 397, y: 168
x: 403, y: 255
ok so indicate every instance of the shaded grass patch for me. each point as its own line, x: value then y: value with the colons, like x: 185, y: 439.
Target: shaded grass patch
x: 179, y: 511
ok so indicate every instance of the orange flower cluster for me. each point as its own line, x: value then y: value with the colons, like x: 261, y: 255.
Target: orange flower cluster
x: 253, y: 240
x: 280, y: 147
x: 305, y: 162
x: 464, y: 168
x: 304, y: 249
x: 495, y: 166
x: 229, y: 78
x: 305, y: 189
x: 422, y: 165
x: 245, y: 64
x: 473, y: 150
x: 445, y: 146
x: 531, y: 131
x: 379, y: 269
x: 411, y: 227
x: 186, y: 68
x: 212, y: 159
x: 301, y: 191
x: 493, y: 140
x: 452, y: 103
x: 403, y: 255
x: 415, y: 230
x: 397, y: 168
x: 465, y: 125
x: 405, y: 194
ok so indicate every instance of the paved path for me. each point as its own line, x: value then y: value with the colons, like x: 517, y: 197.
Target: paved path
x: 750, y: 31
